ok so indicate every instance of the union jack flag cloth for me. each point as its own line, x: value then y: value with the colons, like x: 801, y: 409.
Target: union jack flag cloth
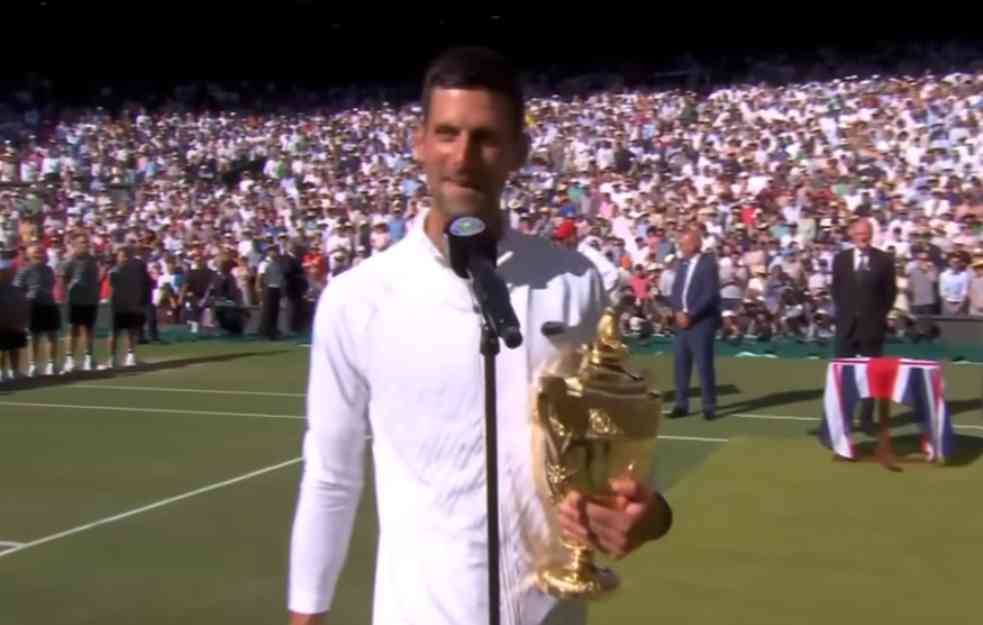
x: 916, y: 383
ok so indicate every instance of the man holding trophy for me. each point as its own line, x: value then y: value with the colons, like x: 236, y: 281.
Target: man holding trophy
x: 394, y: 360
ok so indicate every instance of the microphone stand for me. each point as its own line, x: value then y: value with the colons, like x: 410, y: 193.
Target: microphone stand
x: 489, y: 350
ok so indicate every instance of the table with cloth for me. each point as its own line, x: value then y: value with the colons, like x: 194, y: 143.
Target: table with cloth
x: 916, y: 383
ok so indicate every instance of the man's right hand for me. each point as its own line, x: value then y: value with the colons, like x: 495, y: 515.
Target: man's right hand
x: 307, y: 619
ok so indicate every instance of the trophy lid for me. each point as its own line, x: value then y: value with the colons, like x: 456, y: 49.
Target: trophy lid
x: 608, y: 348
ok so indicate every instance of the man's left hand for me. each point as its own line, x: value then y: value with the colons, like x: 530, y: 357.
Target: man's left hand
x: 682, y: 320
x: 616, y: 524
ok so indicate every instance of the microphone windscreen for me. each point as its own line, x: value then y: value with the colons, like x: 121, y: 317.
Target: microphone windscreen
x: 467, y: 237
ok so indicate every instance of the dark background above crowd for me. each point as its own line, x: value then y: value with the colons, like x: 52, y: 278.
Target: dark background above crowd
x: 309, y: 55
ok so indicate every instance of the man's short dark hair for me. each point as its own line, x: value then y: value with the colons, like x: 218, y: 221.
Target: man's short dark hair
x: 475, y: 67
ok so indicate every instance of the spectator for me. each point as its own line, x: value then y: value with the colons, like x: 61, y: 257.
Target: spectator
x: 954, y: 287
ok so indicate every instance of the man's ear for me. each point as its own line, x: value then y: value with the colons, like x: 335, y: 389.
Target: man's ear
x: 418, y: 143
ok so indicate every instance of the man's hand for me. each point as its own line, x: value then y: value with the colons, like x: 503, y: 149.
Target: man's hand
x: 682, y: 320
x: 307, y: 619
x: 618, y: 524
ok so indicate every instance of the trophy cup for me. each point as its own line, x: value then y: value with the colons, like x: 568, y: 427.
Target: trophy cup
x: 598, y: 424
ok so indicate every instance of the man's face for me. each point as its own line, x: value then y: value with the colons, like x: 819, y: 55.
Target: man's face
x: 468, y: 148
x: 860, y: 234
x: 82, y: 246
x: 689, y: 243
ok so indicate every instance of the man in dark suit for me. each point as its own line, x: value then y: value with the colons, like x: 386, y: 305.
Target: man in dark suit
x: 864, y: 290
x: 295, y: 284
x: 696, y: 304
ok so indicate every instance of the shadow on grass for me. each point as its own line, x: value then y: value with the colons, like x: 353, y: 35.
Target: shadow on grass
x: 770, y: 401
x: 27, y: 384
x: 968, y: 450
x: 694, y: 393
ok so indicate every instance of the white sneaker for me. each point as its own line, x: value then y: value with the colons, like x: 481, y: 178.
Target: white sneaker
x: 69, y: 365
x: 112, y: 364
x: 32, y: 372
x: 49, y: 369
x: 87, y: 363
x: 130, y: 361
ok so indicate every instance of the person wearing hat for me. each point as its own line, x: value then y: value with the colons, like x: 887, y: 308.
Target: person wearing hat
x: 565, y: 235
x: 410, y: 303
x: 271, y: 281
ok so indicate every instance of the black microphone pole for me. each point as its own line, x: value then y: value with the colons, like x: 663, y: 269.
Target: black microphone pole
x: 489, y: 350
x: 472, y: 255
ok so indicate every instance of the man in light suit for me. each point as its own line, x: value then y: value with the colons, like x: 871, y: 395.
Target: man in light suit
x: 696, y: 305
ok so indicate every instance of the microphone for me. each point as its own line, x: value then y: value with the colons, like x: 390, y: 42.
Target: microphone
x: 472, y: 252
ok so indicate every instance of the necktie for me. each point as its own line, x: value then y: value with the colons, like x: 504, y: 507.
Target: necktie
x: 681, y: 282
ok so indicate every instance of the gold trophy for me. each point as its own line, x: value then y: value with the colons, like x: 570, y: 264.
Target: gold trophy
x: 598, y: 424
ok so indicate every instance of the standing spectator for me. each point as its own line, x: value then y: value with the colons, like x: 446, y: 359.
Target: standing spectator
x: 81, y: 279
x: 954, y: 287
x: 923, y: 288
x: 37, y: 280
x: 295, y: 285
x: 195, y: 289
x: 271, y: 278
x: 976, y: 289
x: 130, y: 285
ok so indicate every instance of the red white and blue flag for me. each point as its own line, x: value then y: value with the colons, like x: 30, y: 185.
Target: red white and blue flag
x: 916, y: 383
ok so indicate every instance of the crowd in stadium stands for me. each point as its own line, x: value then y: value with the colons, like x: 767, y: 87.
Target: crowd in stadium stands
x: 235, y: 214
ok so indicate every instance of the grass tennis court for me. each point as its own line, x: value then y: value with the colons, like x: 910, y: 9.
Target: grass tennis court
x: 165, y: 494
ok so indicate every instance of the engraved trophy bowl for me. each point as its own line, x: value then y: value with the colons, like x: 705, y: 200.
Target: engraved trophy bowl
x: 600, y: 423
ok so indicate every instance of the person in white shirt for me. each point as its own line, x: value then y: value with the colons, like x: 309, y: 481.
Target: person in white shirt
x: 954, y: 287
x: 395, y: 353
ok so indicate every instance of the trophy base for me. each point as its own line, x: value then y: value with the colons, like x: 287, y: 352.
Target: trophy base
x: 565, y: 582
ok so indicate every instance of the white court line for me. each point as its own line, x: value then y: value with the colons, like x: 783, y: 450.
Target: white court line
x: 787, y: 418
x: 159, y: 504
x: 163, y: 389
x: 6, y: 544
x: 773, y: 417
x: 700, y: 439
x: 207, y: 413
x: 213, y: 413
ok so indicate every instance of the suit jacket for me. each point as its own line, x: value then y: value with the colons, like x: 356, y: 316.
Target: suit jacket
x: 295, y: 280
x: 703, y: 298
x: 863, y: 302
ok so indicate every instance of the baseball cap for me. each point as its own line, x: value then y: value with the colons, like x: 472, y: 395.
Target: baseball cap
x: 565, y: 230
